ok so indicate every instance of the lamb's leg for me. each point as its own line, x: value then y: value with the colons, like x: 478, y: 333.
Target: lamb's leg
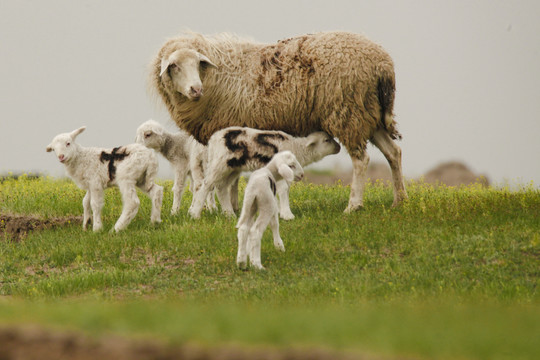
x: 274, y: 226
x: 224, y: 195
x: 360, y: 163
x: 234, y: 194
x: 243, y: 233
x: 180, y: 175
x: 283, y: 193
x: 87, y: 210
x: 392, y: 153
x: 155, y: 193
x: 96, y: 203
x: 255, y: 236
x: 131, y: 205
x: 199, y: 197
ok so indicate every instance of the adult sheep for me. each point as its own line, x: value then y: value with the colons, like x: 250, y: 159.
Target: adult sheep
x: 336, y: 82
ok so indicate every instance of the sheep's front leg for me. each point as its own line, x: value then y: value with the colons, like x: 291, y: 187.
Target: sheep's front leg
x: 180, y: 176
x: 96, y: 203
x: 131, y: 205
x: 356, y: 198
x: 86, y: 209
x: 284, y: 206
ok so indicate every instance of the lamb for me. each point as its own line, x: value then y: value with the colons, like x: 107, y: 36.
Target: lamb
x: 236, y: 149
x: 260, y: 196
x: 336, y: 82
x: 95, y: 169
x: 186, y: 155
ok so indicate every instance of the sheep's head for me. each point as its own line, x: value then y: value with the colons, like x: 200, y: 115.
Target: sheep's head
x: 150, y: 134
x: 287, y: 166
x: 184, y: 68
x: 320, y: 144
x: 64, y: 145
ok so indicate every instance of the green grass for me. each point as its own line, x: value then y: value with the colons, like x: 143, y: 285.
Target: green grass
x: 453, y: 272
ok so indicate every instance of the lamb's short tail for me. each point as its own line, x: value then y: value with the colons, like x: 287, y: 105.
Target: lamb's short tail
x: 249, y: 202
x: 386, y: 89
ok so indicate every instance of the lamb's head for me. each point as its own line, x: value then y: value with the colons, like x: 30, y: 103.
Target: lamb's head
x: 287, y: 166
x: 184, y: 68
x: 319, y: 144
x: 150, y: 134
x: 64, y: 145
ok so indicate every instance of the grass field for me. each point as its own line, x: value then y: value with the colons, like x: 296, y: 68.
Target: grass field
x: 452, y: 273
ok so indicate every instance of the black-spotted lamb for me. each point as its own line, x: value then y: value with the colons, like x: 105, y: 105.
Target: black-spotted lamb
x: 337, y: 82
x: 186, y: 155
x: 236, y: 149
x: 95, y: 169
x: 260, y: 196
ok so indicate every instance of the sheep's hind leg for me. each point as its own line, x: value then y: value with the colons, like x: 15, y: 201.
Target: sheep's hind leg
x: 131, y: 205
x: 360, y: 163
x: 392, y: 153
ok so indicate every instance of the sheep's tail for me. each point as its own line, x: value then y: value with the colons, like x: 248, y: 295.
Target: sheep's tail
x: 249, y: 202
x: 386, y: 89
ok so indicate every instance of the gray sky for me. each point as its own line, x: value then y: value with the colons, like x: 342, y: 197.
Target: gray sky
x: 468, y: 72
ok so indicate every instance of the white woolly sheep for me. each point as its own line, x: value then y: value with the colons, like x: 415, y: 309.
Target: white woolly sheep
x: 236, y: 149
x: 95, y: 169
x: 260, y: 196
x: 186, y: 155
x: 336, y: 82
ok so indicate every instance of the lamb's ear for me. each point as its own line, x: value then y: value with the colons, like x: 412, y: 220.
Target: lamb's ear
x: 76, y: 133
x: 312, y: 140
x: 49, y: 148
x: 206, y: 60
x: 165, y: 62
x: 286, y: 172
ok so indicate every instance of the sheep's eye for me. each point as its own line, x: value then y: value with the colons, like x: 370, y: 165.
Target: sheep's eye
x: 147, y: 135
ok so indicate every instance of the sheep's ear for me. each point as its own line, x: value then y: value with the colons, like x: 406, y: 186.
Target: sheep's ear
x: 49, y: 148
x: 164, y: 65
x: 286, y: 172
x: 76, y: 133
x: 206, y: 60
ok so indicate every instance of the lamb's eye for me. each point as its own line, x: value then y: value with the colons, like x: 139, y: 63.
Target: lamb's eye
x: 292, y: 167
x: 147, y: 135
x: 67, y: 144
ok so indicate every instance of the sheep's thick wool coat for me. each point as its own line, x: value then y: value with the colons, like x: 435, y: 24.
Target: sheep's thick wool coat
x: 336, y: 82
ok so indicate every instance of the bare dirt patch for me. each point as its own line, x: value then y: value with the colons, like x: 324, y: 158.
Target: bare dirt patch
x: 16, y: 227
x: 38, y: 343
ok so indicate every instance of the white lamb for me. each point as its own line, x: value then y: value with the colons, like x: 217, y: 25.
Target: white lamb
x: 186, y: 155
x: 236, y: 149
x: 95, y: 169
x: 260, y: 196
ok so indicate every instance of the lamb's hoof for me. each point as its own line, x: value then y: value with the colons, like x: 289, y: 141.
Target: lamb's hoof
x: 280, y: 247
x: 258, y: 267
x: 352, y: 208
x: 286, y: 216
x: 242, y: 265
x: 193, y: 214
